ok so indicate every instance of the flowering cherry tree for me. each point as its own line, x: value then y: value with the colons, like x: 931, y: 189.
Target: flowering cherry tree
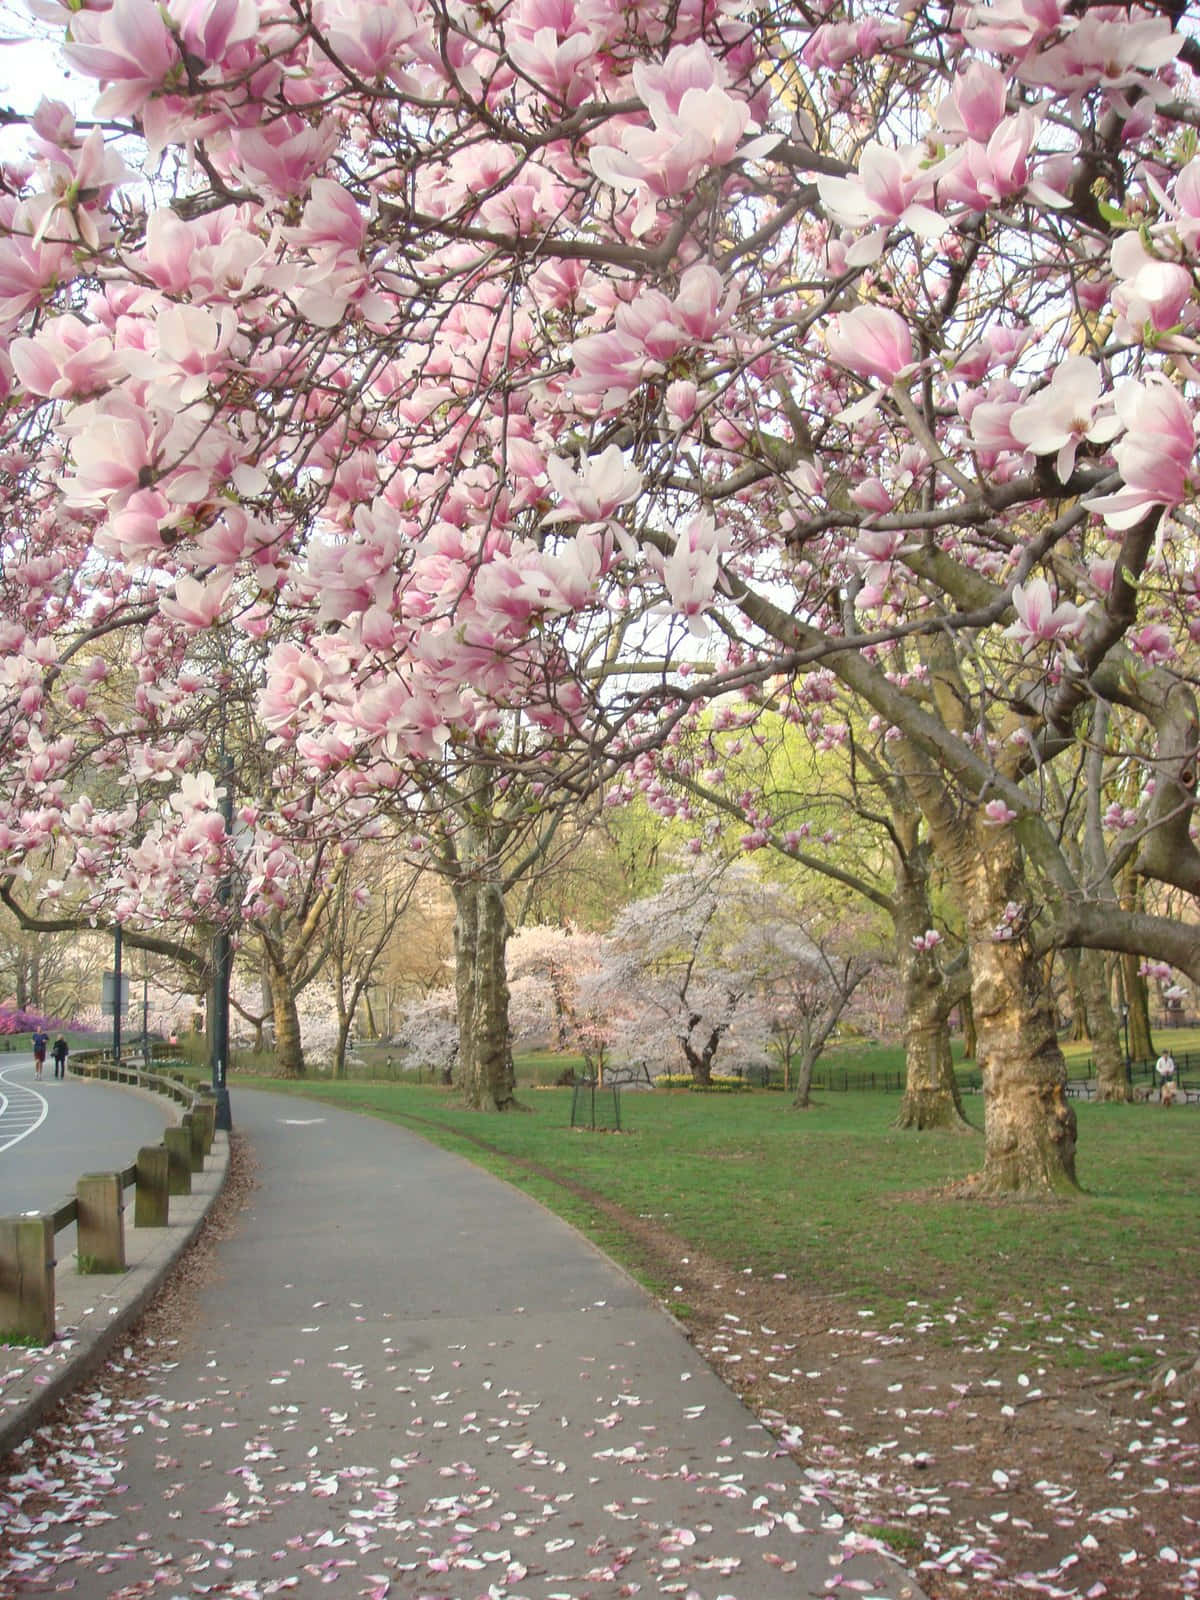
x: 674, y: 976
x: 561, y: 992
x: 438, y: 348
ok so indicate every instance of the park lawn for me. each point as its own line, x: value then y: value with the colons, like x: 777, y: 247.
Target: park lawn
x: 837, y: 1200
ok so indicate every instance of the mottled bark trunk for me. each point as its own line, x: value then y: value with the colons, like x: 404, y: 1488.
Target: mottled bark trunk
x: 339, y: 1046
x: 485, y: 1063
x: 289, y: 1052
x: 970, y: 1040
x: 1029, y: 1122
x: 1136, y: 993
x: 1108, y: 1052
x: 1076, y: 998
x: 931, y: 1093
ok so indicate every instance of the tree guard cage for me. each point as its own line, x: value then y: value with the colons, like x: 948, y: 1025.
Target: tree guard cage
x: 596, y: 1105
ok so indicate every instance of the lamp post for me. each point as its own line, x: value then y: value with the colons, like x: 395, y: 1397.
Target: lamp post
x: 1125, y: 1026
x: 117, y: 994
x: 222, y: 959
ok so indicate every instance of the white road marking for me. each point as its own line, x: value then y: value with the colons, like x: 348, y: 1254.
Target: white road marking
x: 23, y: 1110
x: 300, y: 1122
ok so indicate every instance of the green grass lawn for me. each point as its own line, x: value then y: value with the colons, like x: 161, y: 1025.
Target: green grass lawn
x: 839, y: 1200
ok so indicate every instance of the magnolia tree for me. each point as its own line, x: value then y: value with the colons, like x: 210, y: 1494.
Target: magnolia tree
x: 433, y: 345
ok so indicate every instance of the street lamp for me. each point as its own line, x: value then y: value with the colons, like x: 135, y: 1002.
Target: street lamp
x: 1125, y: 1025
x: 222, y: 959
x: 117, y: 995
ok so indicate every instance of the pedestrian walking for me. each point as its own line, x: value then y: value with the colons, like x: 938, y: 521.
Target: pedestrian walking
x: 59, y: 1051
x: 40, y: 1041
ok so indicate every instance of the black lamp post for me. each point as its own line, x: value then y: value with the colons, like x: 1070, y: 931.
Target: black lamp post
x: 1125, y: 1025
x: 117, y: 994
x: 222, y: 961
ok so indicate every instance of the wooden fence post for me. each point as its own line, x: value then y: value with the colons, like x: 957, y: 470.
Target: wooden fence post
x: 179, y: 1153
x: 195, y: 1135
x: 151, y: 1202
x: 27, y: 1278
x: 100, y: 1225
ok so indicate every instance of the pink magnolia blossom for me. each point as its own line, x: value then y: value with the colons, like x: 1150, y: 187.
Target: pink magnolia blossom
x: 696, y: 123
x: 1151, y: 294
x: 600, y: 486
x: 872, y: 342
x: 284, y: 155
x: 194, y: 604
x: 66, y: 357
x: 1012, y: 27
x: 1156, y: 454
x: 891, y: 188
x: 1104, y: 50
x: 690, y: 573
x: 1070, y: 409
x: 978, y: 175
x: 211, y: 28
x: 976, y: 104
x: 129, y: 47
x: 1153, y: 643
x: 1039, y: 619
x: 997, y: 814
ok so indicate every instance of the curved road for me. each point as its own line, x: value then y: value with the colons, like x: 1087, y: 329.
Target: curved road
x: 54, y: 1130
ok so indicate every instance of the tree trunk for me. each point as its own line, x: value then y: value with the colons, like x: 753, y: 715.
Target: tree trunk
x: 970, y: 1040
x: 1135, y: 990
x: 699, y: 1061
x: 1029, y: 1122
x: 481, y: 930
x: 1107, y: 1051
x: 802, y: 1099
x: 931, y: 1093
x: 289, y: 1052
x: 339, y: 1045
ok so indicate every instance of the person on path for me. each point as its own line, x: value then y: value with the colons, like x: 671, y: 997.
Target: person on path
x: 59, y: 1052
x: 40, y: 1041
x: 1164, y: 1068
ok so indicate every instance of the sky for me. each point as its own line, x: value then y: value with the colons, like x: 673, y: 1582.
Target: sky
x: 31, y: 70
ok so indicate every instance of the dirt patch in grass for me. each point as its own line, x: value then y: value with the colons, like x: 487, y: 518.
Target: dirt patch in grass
x: 989, y: 1466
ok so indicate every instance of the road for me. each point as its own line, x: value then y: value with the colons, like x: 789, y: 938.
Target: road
x: 54, y: 1130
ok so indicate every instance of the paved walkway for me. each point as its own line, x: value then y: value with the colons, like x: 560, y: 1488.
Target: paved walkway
x: 409, y: 1380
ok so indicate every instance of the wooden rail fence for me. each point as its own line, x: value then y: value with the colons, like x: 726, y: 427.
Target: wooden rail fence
x: 97, y: 1208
